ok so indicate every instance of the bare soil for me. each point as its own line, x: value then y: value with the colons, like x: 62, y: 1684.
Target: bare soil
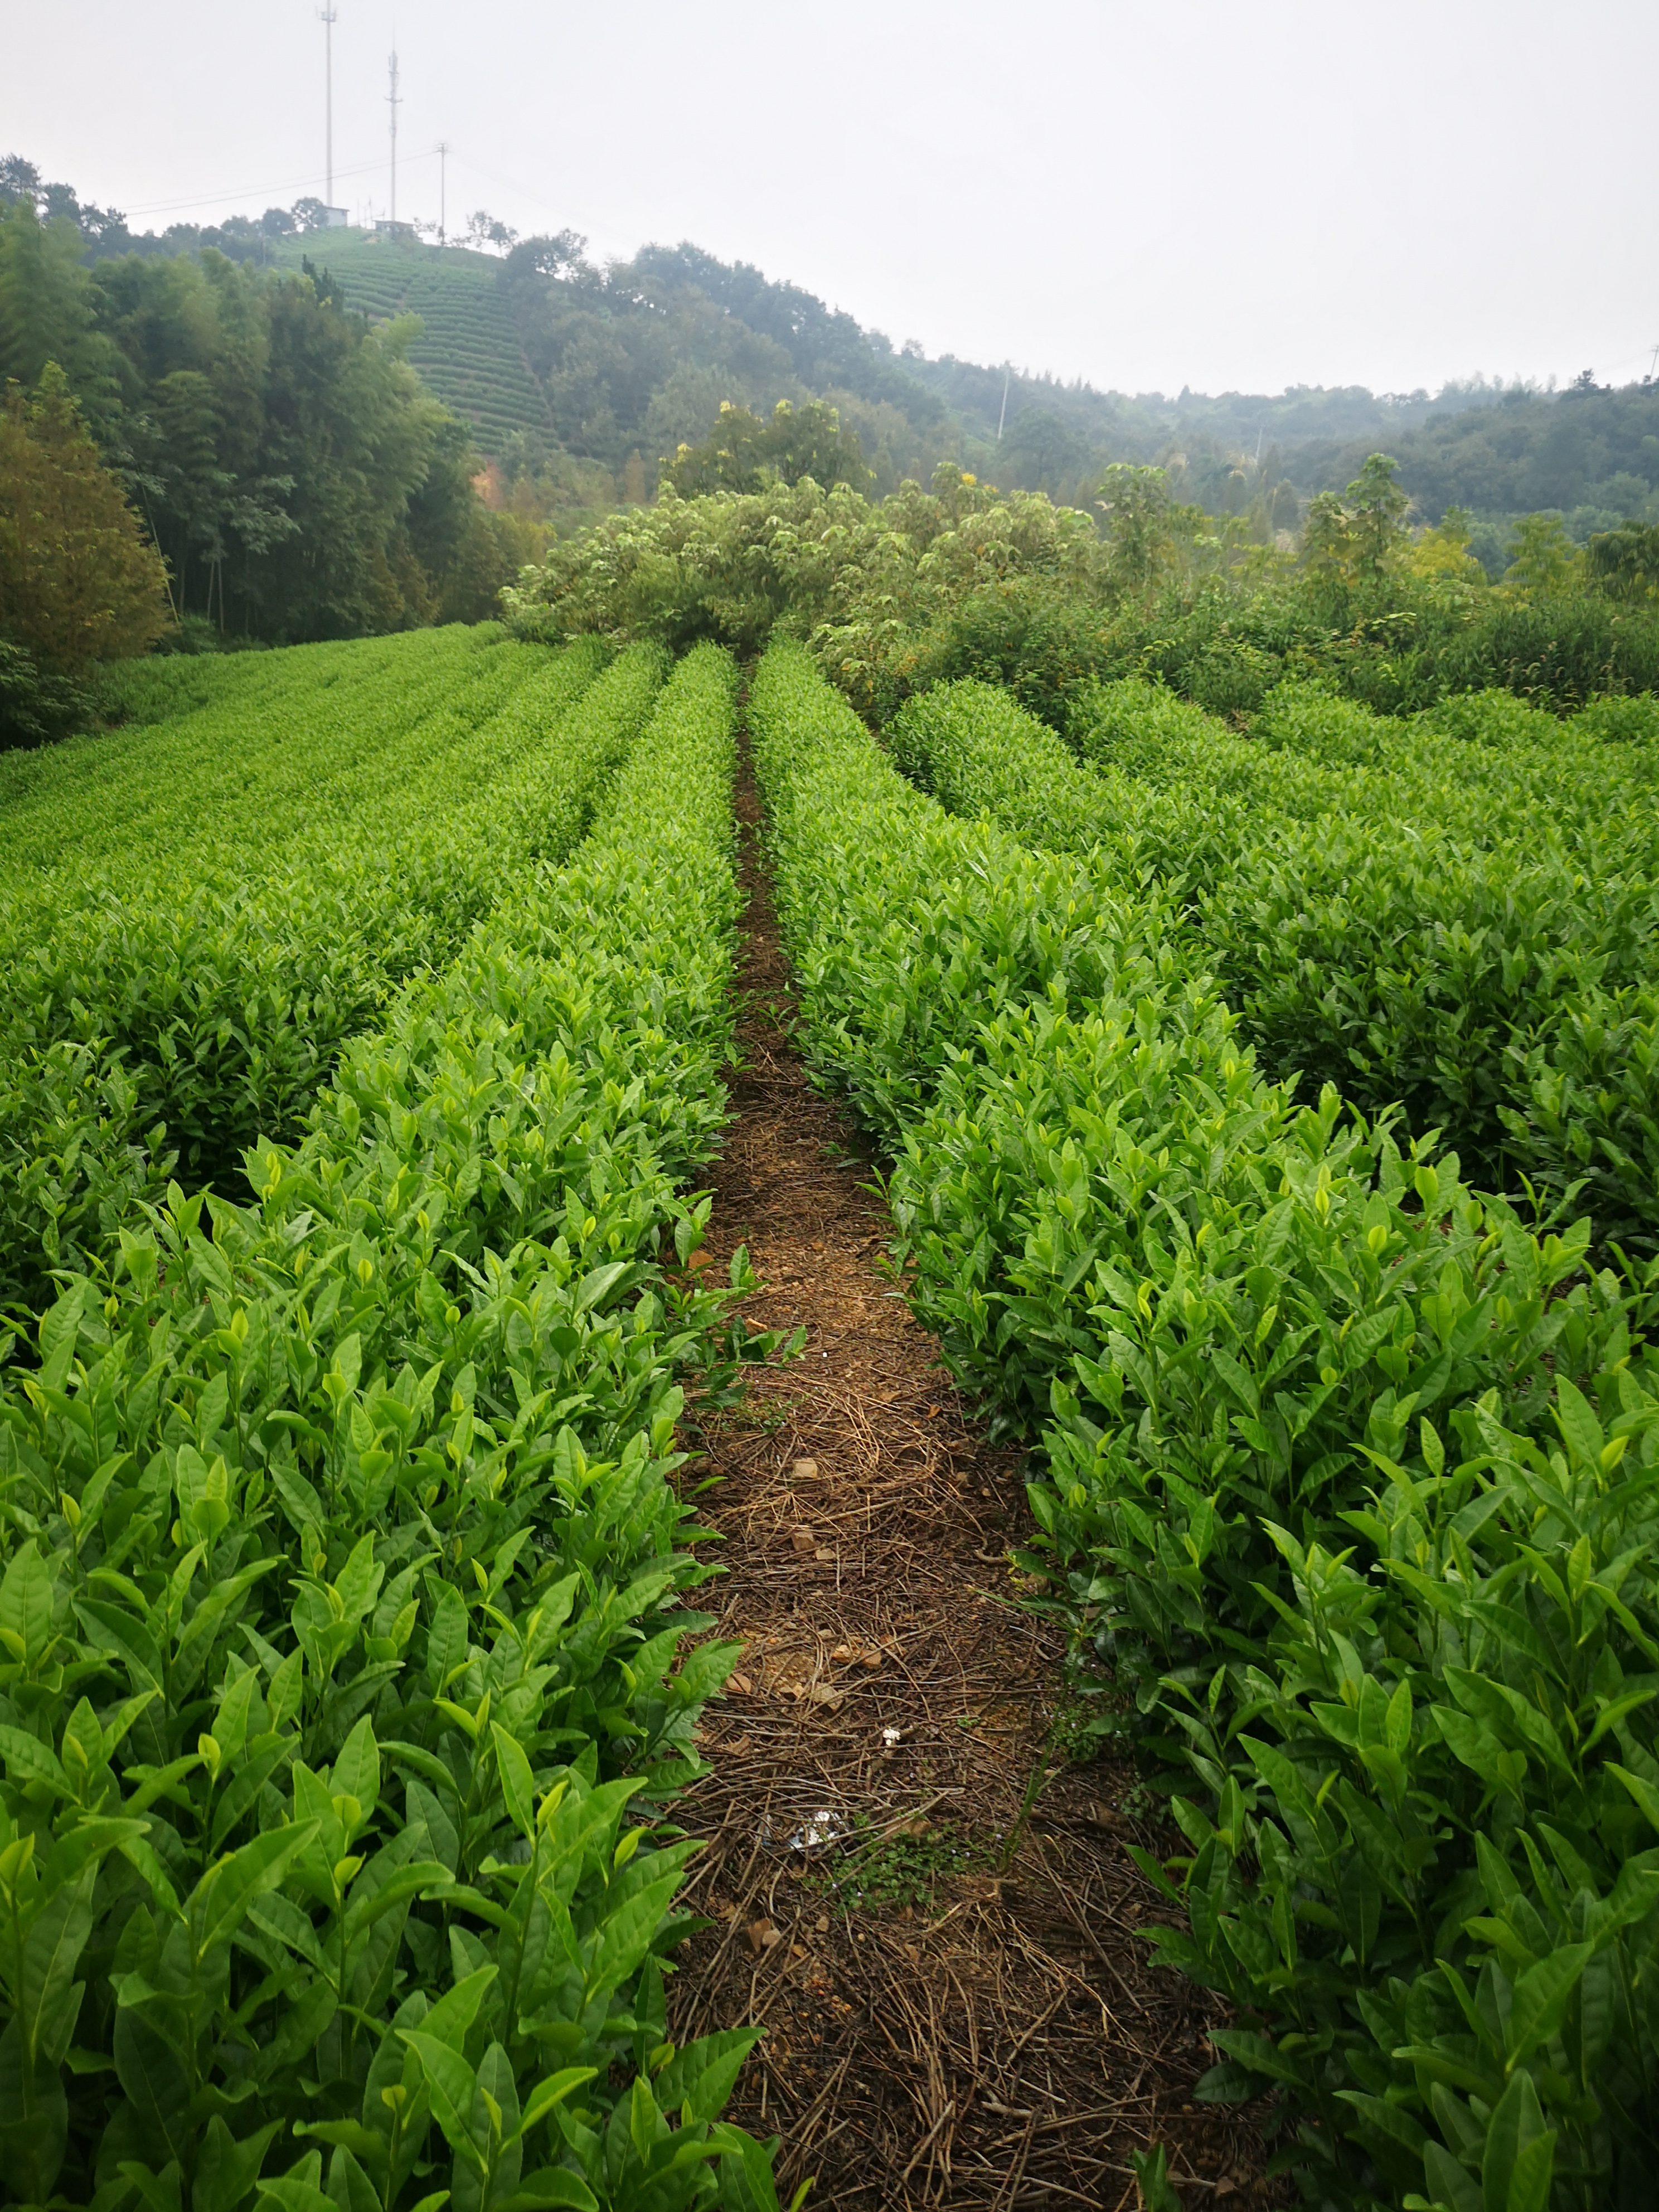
x: 927, y: 1905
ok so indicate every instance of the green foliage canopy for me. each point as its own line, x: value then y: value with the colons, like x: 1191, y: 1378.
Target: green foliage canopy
x: 746, y: 454
x: 78, y: 582
x: 286, y: 459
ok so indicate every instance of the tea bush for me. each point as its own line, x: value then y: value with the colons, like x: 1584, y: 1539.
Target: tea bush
x: 344, y: 1678
x: 1458, y: 917
x: 161, y: 1023
x: 1351, y: 1481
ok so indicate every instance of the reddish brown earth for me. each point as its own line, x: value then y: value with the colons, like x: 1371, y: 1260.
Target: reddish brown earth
x: 957, y: 2011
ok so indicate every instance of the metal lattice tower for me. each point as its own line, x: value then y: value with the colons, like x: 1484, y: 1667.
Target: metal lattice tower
x: 328, y: 17
x: 394, y: 102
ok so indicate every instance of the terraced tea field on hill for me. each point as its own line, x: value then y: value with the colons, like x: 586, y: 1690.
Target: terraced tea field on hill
x: 1260, y: 1129
x: 468, y: 350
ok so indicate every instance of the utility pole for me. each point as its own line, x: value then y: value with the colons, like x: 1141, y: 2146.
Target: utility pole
x: 443, y: 163
x: 394, y: 103
x: 1007, y: 371
x: 328, y: 17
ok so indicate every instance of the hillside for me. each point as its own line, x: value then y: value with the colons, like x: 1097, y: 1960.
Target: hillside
x: 578, y: 380
x: 1591, y: 453
x: 468, y: 351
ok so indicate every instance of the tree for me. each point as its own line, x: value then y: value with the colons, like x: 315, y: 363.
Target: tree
x: 1624, y: 563
x: 485, y: 232
x: 445, y: 517
x: 347, y: 421
x: 36, y: 705
x: 746, y: 454
x: 491, y: 553
x: 49, y: 310
x: 1442, y: 554
x: 1543, y: 560
x: 1358, y: 538
x: 296, y: 476
x: 1142, y: 525
x: 19, y: 179
x: 78, y: 582
x: 544, y: 256
x: 1377, y: 506
x: 1043, y: 453
x: 21, y: 182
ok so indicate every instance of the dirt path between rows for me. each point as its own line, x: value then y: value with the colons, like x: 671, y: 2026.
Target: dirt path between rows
x: 930, y: 1910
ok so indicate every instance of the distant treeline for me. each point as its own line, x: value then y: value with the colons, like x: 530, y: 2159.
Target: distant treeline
x: 637, y: 358
x: 301, y: 481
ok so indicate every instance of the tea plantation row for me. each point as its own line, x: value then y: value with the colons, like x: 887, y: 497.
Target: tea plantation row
x: 343, y: 1666
x: 1352, y: 1490
x: 164, y: 1014
x: 1460, y: 917
x: 343, y: 1674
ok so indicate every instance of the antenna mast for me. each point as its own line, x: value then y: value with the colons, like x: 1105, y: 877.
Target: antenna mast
x: 443, y: 163
x: 394, y: 103
x: 1002, y: 416
x: 328, y: 17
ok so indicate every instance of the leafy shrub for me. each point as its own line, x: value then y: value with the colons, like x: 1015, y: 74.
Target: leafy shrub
x: 1621, y: 720
x: 173, y: 1016
x: 36, y: 707
x: 343, y: 1602
x: 1559, y: 652
x: 1456, y: 924
x: 1352, y: 1482
x: 962, y: 576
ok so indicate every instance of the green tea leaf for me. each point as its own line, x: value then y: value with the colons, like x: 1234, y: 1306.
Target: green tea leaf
x: 451, y: 2084
x: 48, y: 2002
x: 224, y: 1893
x: 1516, y: 2170
x: 518, y: 1784
x: 1541, y: 1997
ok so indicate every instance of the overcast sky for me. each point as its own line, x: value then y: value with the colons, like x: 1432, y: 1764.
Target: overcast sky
x: 1177, y: 191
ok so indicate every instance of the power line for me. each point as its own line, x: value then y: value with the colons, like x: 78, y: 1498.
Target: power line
x: 437, y: 153
x: 253, y: 191
x: 525, y: 192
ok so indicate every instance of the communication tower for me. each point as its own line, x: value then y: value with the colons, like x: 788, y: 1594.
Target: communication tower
x: 328, y: 17
x: 394, y: 102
